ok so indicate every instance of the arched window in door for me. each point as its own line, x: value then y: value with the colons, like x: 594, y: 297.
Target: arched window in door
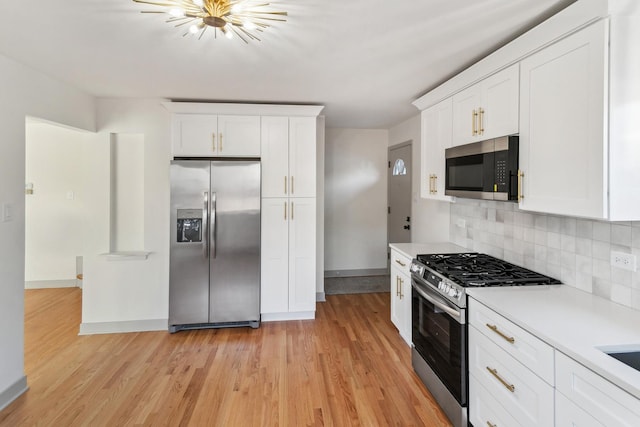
x: 399, y: 168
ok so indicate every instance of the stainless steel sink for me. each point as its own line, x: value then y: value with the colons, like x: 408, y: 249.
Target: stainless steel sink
x: 629, y: 355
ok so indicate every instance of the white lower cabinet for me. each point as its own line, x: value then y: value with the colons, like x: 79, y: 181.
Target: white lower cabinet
x: 508, y: 377
x: 608, y: 404
x: 485, y: 410
x: 288, y: 252
x: 523, y: 395
x: 401, y: 294
x: 568, y: 414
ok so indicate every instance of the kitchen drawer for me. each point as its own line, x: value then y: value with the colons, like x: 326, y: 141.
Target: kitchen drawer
x: 522, y: 393
x: 401, y: 261
x: 568, y: 414
x: 484, y: 409
x: 532, y: 352
x: 606, y: 402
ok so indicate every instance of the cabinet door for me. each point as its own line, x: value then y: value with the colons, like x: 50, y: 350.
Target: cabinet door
x: 302, y: 156
x: 302, y: 254
x: 274, y: 282
x: 239, y: 136
x: 436, y: 138
x: 275, y: 156
x: 195, y: 135
x: 568, y: 414
x: 395, y: 296
x: 488, y: 109
x: 500, y: 102
x: 465, y: 119
x: 563, y: 128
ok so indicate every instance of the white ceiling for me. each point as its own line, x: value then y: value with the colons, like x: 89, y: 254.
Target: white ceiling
x: 365, y: 60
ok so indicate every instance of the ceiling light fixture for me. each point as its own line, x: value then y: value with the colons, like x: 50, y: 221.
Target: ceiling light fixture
x: 232, y: 17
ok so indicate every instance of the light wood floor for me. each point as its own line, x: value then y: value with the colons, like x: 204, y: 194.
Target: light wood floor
x: 349, y: 367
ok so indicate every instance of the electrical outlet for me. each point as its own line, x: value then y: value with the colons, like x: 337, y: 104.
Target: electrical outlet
x: 624, y: 261
x: 7, y: 212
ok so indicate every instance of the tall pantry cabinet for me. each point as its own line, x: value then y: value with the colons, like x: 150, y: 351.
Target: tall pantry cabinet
x: 288, y: 217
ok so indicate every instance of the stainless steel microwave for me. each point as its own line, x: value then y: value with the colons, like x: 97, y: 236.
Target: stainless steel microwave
x: 483, y: 170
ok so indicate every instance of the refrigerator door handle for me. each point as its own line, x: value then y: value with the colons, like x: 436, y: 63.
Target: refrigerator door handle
x: 205, y: 231
x: 213, y: 224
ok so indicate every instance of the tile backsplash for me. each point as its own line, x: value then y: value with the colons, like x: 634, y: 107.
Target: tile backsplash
x: 574, y: 250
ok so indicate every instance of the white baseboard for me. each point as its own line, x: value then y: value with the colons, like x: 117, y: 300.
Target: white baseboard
x: 48, y: 284
x: 320, y: 297
x: 277, y: 317
x: 14, y: 391
x: 146, y: 325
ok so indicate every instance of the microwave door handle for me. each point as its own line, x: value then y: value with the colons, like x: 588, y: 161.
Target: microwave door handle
x: 205, y: 225
x: 441, y: 305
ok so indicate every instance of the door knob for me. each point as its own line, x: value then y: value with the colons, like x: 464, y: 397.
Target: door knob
x: 408, y: 219
x: 407, y: 227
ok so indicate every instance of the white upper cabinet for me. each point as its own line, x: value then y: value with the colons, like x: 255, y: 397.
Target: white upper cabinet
x: 487, y: 109
x: 206, y: 135
x: 289, y: 156
x: 436, y: 137
x: 563, y: 126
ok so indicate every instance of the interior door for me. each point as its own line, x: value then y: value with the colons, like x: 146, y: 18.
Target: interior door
x: 399, y: 194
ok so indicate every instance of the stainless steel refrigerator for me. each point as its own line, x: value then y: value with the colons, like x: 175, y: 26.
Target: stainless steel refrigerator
x: 215, y: 244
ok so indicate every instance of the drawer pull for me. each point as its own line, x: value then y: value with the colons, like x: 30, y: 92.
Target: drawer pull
x: 509, y: 387
x: 489, y: 424
x: 495, y: 329
x: 401, y: 263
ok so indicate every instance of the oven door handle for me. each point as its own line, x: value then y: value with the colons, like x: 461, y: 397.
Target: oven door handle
x: 439, y: 303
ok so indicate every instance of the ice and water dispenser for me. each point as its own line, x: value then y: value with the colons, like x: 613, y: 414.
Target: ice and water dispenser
x: 189, y: 225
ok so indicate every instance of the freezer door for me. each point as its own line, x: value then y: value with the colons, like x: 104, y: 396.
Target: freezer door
x: 235, y: 241
x: 189, y: 253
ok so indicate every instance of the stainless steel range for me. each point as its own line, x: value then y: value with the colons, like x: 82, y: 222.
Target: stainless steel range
x: 439, y: 319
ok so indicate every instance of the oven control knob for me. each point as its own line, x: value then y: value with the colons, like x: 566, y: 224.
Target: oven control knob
x: 453, y: 293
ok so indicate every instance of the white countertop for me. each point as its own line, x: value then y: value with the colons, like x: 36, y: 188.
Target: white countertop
x: 413, y: 249
x: 574, y: 322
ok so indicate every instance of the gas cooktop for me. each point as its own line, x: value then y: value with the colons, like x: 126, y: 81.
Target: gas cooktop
x: 476, y: 269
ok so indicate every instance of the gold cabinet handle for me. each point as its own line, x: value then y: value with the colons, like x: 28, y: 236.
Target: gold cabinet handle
x: 495, y: 329
x: 490, y: 424
x: 220, y: 143
x: 291, y: 211
x: 397, y: 286
x: 508, y: 386
x: 474, y: 119
x: 292, y: 191
x: 401, y: 293
x: 213, y: 142
x: 285, y: 185
x: 435, y: 184
x: 401, y: 263
x: 481, y: 121
x: 520, y: 178
x: 285, y: 211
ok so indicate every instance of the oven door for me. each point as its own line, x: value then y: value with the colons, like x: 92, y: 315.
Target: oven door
x: 439, y: 335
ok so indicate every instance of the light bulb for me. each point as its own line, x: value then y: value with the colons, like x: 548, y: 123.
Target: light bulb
x: 229, y: 34
x: 248, y: 24
x: 193, y: 29
x: 237, y: 8
x: 199, y: 3
x: 178, y: 13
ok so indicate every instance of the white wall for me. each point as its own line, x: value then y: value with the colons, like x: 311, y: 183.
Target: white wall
x: 355, y: 199
x: 128, y: 294
x: 53, y: 235
x: 24, y: 93
x: 429, y: 219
